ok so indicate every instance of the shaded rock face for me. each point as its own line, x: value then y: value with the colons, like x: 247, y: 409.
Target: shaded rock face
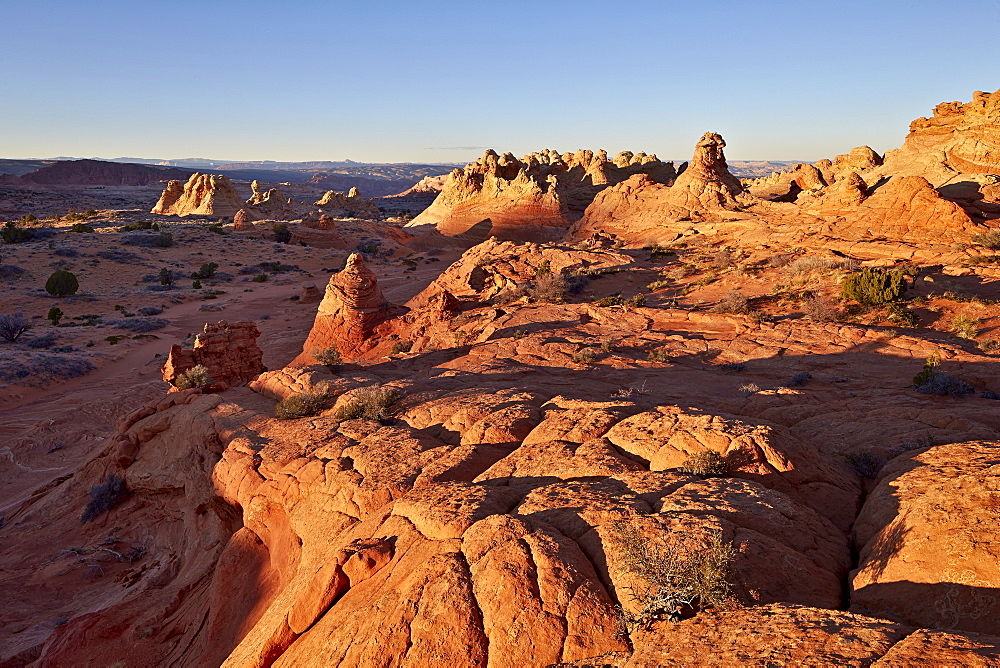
x: 203, y: 194
x: 426, y: 188
x: 928, y: 540
x: 229, y: 351
x: 241, y: 221
x: 907, y: 208
x: 531, y: 199
x: 351, y: 309
x: 103, y: 173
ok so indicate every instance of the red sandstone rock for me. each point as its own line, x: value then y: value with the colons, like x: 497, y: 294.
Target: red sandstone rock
x: 229, y: 351
x: 241, y: 221
x: 203, y: 194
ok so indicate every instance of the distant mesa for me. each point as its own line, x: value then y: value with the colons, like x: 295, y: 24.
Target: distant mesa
x: 102, y: 173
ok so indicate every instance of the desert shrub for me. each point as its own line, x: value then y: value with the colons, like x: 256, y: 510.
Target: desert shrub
x: 13, y: 233
x: 733, y: 367
x: 196, y: 376
x: 306, y: 404
x: 543, y: 269
x: 989, y: 239
x: 281, y: 233
x: 216, y: 228
x: 865, y: 463
x: 804, y: 265
x: 659, y: 355
x: 62, y: 283
x: 988, y: 345
x: 636, y: 300
x: 576, y: 283
x: 898, y: 314
x: 676, y: 573
x: 139, y: 324
x: 66, y: 251
x: 734, y: 302
x: 510, y: 295
x: 402, y: 346
x: 141, y: 225
x: 369, y: 403
x: 10, y: 271
x: 206, y: 270
x: 43, y: 341
x: 104, y: 497
x: 166, y: 276
x: 328, y: 356
x: 55, y: 314
x: 749, y: 389
x: 549, y: 288
x: 658, y: 285
x: 260, y: 278
x: 723, y: 259
x: 164, y: 240
x: 143, y: 239
x: 608, y: 346
x: 196, y: 284
x: 611, y: 300
x: 706, y: 464
x: 42, y: 233
x: 944, y: 384
x: 990, y: 394
x: 799, y: 379
x: 658, y: 251
x: 150, y: 310
x: 965, y: 327
x: 12, y: 326
x: 119, y: 256
x: 370, y: 247
x: 820, y: 309
x: 81, y: 228
x: 584, y: 356
x: 874, y: 286
x: 42, y: 366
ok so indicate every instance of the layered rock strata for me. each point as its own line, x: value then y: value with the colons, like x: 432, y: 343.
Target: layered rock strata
x: 228, y: 350
x: 202, y: 194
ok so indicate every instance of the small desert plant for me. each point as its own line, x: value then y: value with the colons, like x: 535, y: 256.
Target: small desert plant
x: 988, y: 345
x: 733, y: 302
x: 931, y: 380
x: 281, y: 233
x: 900, y: 315
x: 402, y: 347
x: 196, y: 376
x: 164, y: 240
x: 80, y: 228
x: 965, y: 327
x: 543, y: 269
x: 104, y: 497
x: 749, y: 389
x: 13, y: 233
x: 820, y: 309
x: 866, y: 463
x: 734, y: 367
x: 989, y: 239
x: 12, y: 326
x: 874, y: 286
x: 659, y: 355
x: 196, y: 284
x: 369, y: 403
x: 328, y: 356
x: 206, y: 270
x: 306, y: 404
x: 260, y: 278
x: 608, y: 346
x: 510, y: 295
x: 549, y: 288
x: 658, y: 251
x: 677, y: 574
x: 707, y: 464
x: 584, y: 356
x: 658, y: 285
x: 636, y: 300
x: 54, y: 315
x: 612, y: 300
x: 799, y: 379
x: 166, y: 276
x: 62, y: 283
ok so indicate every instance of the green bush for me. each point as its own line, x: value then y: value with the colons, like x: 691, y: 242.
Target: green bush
x: 13, y: 233
x: 402, y: 346
x: 80, y: 227
x: 369, y: 403
x: 196, y: 376
x: 281, y: 233
x: 166, y: 276
x: 328, y: 356
x: 260, y: 278
x: 306, y: 404
x: 707, y: 464
x: 989, y: 239
x: 207, y: 270
x: 62, y: 283
x: 55, y: 315
x: 874, y: 286
x: 584, y: 356
x: 164, y: 240
x: 965, y: 327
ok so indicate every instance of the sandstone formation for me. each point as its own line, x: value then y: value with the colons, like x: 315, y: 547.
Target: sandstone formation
x: 531, y: 199
x: 203, y: 195
x: 642, y: 209
x: 426, y: 188
x: 271, y: 204
x: 351, y: 309
x: 907, y: 208
x: 928, y: 540
x: 352, y: 204
x: 241, y: 221
x: 229, y: 351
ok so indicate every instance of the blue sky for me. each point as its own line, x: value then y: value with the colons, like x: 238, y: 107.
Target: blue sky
x: 437, y: 81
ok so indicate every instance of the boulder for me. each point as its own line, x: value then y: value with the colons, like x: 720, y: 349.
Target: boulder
x: 229, y: 351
